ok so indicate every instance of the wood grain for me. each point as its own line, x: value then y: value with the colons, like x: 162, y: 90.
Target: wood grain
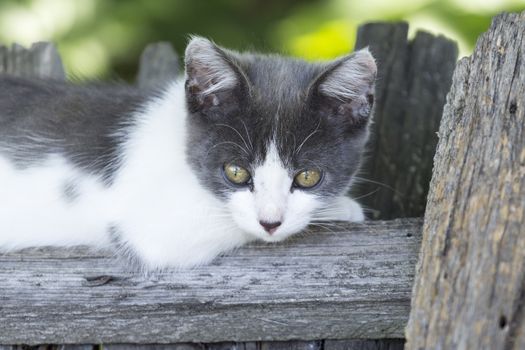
x: 470, y: 290
x: 354, y: 282
x: 379, y: 344
x: 413, y: 80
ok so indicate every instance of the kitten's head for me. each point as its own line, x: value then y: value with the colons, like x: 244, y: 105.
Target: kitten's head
x: 277, y: 138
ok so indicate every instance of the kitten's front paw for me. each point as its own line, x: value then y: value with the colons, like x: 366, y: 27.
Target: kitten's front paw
x: 348, y: 210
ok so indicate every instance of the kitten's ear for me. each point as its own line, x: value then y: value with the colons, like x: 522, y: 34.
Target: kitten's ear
x: 212, y: 78
x: 345, y: 90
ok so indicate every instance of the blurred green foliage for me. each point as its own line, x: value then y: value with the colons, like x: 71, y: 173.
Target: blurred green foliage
x: 104, y: 38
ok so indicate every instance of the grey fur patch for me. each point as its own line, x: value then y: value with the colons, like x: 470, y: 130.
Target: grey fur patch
x: 84, y: 124
x: 124, y: 252
x: 70, y: 191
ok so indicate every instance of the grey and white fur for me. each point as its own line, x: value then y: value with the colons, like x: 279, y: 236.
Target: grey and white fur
x: 145, y: 173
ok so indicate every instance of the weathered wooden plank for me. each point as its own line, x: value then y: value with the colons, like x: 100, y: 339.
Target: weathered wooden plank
x: 48, y: 347
x: 185, y: 346
x: 233, y: 346
x: 181, y: 346
x: 413, y: 80
x: 288, y: 345
x: 354, y: 282
x: 470, y: 291
x: 293, y: 345
x: 380, y: 344
x: 46, y: 61
x: 40, y: 61
x: 159, y: 65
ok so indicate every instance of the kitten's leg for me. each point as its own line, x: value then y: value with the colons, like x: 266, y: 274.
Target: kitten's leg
x: 346, y: 209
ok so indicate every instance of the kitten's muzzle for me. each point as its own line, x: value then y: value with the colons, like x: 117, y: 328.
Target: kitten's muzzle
x: 270, y: 227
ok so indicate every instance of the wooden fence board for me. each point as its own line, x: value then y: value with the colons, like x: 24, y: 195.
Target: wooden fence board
x: 470, y: 293
x: 413, y: 80
x: 354, y: 282
x: 159, y: 64
x: 41, y: 60
x: 380, y: 344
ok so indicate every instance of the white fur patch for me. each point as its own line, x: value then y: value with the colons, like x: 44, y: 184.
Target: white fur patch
x: 271, y: 187
x: 34, y: 210
x: 165, y: 215
x: 341, y: 208
x: 353, y: 78
x: 273, y: 201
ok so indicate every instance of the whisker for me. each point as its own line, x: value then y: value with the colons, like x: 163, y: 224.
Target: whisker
x: 308, y: 137
x: 247, y: 134
x: 359, y: 179
x: 236, y: 131
x: 322, y: 226
x: 368, y: 194
x: 226, y: 142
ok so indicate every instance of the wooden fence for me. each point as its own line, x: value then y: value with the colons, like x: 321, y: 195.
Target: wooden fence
x: 348, y: 289
x: 470, y: 290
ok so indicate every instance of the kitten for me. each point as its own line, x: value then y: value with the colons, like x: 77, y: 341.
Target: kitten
x: 246, y: 146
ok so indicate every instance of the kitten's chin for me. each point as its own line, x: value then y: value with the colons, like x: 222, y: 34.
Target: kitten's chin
x: 279, y: 235
x: 262, y: 235
x: 276, y: 238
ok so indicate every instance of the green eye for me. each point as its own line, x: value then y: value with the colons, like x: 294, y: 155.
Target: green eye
x: 307, y: 178
x: 236, y: 174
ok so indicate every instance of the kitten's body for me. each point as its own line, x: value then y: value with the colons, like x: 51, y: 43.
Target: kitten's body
x: 52, y: 197
x: 143, y: 173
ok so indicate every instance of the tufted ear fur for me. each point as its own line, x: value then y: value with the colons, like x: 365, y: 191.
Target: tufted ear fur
x: 212, y: 78
x: 345, y: 90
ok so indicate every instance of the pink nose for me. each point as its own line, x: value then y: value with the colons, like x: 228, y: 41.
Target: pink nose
x: 270, y: 227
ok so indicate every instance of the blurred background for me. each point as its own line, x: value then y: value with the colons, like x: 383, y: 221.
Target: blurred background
x: 104, y: 38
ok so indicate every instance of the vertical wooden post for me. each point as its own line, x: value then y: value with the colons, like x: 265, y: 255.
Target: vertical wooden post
x: 470, y: 288
x: 40, y: 61
x: 413, y: 80
x: 159, y: 65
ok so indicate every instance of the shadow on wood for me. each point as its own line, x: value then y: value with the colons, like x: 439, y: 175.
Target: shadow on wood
x: 413, y: 80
